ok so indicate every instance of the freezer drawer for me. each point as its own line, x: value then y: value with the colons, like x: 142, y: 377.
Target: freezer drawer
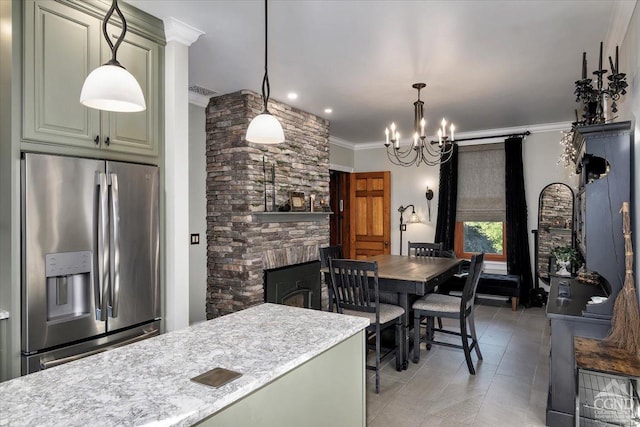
x: 68, y: 354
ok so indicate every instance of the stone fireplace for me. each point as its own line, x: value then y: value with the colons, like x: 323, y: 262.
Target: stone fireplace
x: 241, y: 243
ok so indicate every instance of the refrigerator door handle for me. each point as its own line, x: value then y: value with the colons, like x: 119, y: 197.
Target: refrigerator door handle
x: 115, y: 241
x: 102, y: 250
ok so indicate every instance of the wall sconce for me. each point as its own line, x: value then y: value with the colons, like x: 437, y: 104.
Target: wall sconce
x: 413, y: 218
x: 429, y: 198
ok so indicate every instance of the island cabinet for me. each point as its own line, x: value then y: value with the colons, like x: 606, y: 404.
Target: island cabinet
x: 63, y: 43
x: 296, y: 366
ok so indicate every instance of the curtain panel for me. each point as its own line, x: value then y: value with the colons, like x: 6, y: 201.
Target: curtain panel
x: 447, y: 200
x: 518, y: 258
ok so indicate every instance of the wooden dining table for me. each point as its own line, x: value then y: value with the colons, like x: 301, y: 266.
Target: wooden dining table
x: 404, y: 277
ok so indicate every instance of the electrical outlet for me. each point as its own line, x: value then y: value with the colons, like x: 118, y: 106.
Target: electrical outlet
x: 195, y: 239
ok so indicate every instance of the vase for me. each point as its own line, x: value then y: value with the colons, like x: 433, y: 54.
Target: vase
x: 562, y: 270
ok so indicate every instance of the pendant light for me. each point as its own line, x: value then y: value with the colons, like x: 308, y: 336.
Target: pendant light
x: 264, y: 128
x: 111, y: 87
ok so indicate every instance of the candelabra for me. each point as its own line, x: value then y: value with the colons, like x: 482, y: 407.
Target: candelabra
x: 420, y: 150
x: 593, y: 98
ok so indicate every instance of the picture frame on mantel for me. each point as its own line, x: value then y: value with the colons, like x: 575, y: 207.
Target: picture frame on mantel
x: 297, y: 201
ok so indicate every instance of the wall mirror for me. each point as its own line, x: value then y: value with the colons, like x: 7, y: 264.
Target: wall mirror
x: 555, y: 224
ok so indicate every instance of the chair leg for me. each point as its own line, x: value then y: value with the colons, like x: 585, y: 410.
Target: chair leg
x: 465, y: 345
x: 472, y: 327
x: 377, y: 359
x: 439, y: 322
x: 416, y: 336
x: 514, y: 303
x: 429, y: 332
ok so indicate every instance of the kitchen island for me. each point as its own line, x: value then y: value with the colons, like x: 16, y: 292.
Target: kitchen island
x: 298, y: 366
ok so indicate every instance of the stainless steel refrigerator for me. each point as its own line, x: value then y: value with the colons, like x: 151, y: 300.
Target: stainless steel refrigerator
x: 90, y: 257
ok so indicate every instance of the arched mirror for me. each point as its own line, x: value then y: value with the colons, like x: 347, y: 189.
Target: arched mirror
x: 555, y: 224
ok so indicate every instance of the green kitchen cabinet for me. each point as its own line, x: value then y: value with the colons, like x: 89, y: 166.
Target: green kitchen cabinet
x: 63, y: 43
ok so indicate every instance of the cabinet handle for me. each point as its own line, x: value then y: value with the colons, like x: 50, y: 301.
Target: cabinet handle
x: 107, y: 141
x: 97, y: 139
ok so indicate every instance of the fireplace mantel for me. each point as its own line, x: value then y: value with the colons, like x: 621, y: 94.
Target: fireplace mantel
x: 290, y: 216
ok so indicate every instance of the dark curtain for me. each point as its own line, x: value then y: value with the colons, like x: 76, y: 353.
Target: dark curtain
x: 518, y: 259
x: 447, y: 197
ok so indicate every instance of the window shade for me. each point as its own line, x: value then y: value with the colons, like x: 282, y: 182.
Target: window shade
x: 481, y: 190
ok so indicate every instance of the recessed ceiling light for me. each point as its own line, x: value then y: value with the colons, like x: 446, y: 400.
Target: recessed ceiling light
x: 328, y: 110
x: 292, y: 95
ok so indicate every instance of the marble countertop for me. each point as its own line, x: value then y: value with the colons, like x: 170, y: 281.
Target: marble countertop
x: 148, y: 383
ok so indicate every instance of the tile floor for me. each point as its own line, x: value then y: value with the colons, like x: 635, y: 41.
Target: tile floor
x: 509, y: 388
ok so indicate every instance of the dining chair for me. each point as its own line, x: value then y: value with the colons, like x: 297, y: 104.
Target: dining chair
x: 448, y: 306
x: 326, y: 253
x: 424, y: 249
x: 355, y: 286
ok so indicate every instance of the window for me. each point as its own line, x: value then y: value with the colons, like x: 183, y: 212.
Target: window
x: 480, y: 212
x: 481, y: 236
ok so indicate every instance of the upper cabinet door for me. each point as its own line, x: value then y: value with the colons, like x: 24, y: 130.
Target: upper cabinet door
x: 61, y: 47
x: 135, y: 133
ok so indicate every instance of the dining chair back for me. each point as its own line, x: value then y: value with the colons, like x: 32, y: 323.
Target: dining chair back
x: 425, y: 249
x: 329, y: 252
x: 326, y: 253
x: 356, y: 291
x: 448, y: 306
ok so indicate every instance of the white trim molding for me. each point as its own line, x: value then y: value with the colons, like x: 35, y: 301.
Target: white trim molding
x: 178, y: 31
x: 198, y: 100
x: 341, y: 143
x: 335, y: 167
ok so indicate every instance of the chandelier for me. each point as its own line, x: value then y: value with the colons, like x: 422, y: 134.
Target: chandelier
x: 420, y: 150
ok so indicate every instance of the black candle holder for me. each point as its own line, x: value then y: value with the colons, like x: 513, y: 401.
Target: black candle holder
x: 593, y: 97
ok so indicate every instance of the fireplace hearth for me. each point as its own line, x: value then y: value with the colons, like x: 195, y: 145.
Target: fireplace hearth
x: 294, y: 285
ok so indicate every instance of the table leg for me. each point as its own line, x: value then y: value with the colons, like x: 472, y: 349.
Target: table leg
x: 403, y: 299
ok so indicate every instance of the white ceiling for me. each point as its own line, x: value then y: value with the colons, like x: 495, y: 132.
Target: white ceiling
x: 487, y: 64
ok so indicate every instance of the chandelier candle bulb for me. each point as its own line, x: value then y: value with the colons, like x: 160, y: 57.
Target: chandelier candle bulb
x: 397, y: 140
x: 423, y: 123
x: 386, y: 136
x: 452, y: 128
x: 440, y: 136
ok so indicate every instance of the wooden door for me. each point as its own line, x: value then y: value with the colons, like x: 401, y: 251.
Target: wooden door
x: 370, y: 202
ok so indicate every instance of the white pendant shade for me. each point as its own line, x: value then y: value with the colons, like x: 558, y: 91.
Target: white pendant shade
x: 265, y: 129
x: 112, y: 88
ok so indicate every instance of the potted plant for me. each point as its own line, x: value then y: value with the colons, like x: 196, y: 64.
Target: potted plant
x: 565, y: 255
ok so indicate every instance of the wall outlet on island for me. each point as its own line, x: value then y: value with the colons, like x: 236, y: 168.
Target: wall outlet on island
x: 195, y: 239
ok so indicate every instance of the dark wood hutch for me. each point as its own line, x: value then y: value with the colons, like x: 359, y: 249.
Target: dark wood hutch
x: 604, y: 164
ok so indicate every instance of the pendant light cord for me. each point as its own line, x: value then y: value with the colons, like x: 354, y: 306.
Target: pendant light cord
x: 114, y: 48
x: 265, y: 79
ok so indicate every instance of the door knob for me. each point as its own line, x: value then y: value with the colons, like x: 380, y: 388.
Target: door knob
x: 386, y: 244
x: 97, y: 139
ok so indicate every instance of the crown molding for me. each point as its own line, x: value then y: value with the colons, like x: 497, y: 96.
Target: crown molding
x: 341, y: 143
x: 178, y: 31
x: 620, y: 19
x: 198, y: 99
x: 545, y: 127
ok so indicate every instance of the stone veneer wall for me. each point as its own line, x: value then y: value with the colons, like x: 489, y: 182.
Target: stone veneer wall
x: 239, y: 246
